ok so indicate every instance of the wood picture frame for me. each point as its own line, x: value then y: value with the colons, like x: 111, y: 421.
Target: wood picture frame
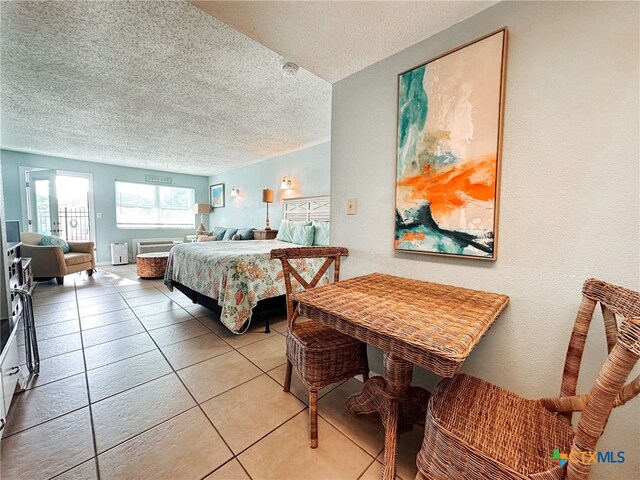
x: 449, y: 149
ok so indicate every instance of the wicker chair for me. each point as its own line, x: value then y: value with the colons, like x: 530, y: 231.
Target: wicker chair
x: 477, y: 430
x: 320, y: 354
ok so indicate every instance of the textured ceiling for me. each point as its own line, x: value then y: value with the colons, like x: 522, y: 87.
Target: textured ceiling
x: 335, y: 39
x: 152, y: 84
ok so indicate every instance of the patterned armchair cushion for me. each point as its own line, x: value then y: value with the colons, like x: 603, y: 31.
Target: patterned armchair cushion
x: 51, y: 241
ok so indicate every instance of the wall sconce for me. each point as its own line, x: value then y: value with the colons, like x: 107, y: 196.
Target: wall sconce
x: 286, y: 183
x: 235, y: 191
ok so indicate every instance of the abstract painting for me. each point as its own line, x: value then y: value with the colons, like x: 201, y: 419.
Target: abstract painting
x: 217, y: 195
x: 448, y: 153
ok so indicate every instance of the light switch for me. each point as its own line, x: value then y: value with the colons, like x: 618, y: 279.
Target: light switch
x: 351, y: 206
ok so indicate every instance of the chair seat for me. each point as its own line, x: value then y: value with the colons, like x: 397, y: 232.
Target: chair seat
x: 473, y: 426
x: 323, y: 355
x: 76, y: 258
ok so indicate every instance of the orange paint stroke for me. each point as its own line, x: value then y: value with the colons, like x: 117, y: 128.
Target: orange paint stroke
x: 452, y: 188
x: 412, y: 237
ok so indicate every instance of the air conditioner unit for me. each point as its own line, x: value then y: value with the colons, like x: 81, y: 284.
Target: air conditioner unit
x: 119, y: 253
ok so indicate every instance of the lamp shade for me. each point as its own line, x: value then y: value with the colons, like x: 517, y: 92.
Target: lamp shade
x: 267, y: 195
x: 202, y: 208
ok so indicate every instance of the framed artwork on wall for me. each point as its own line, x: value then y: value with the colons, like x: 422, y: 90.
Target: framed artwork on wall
x: 217, y: 195
x: 450, y: 117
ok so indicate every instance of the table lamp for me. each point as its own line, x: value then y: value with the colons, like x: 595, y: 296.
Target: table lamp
x: 267, y: 197
x: 202, y: 209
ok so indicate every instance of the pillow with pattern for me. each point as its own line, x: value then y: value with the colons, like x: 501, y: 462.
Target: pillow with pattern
x: 228, y: 235
x: 245, y: 233
x: 285, y: 233
x: 321, y: 234
x: 219, y: 232
x: 52, y: 241
x: 302, y: 234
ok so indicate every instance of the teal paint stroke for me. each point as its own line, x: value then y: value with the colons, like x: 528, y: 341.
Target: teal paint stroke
x: 412, y: 103
x: 413, y: 106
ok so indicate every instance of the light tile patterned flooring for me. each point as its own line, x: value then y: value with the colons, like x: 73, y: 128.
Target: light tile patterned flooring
x: 138, y: 382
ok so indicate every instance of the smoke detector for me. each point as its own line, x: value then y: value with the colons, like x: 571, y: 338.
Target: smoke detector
x: 289, y: 69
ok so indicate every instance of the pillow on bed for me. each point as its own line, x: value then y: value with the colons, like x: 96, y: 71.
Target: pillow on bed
x: 219, y: 232
x: 284, y: 232
x: 321, y: 233
x: 228, y: 235
x: 245, y: 233
x: 206, y: 238
x: 302, y: 234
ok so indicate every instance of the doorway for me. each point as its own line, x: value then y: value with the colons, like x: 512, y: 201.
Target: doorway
x: 59, y: 203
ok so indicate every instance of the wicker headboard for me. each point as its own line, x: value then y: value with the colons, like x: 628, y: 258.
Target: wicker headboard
x: 307, y: 208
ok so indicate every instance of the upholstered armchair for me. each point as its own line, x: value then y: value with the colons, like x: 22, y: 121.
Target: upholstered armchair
x: 48, y: 261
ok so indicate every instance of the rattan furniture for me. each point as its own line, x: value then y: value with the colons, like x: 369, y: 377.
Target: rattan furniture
x: 152, y: 264
x: 319, y: 354
x: 427, y: 324
x: 476, y: 430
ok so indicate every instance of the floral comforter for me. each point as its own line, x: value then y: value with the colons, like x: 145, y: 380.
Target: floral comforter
x: 236, y: 274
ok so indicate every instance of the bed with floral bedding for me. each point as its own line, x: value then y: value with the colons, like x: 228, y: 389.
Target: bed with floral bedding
x: 236, y: 274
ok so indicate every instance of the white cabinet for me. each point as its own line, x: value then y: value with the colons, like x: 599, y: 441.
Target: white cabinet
x: 10, y: 371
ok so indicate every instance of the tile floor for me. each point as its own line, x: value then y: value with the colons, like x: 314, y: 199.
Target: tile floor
x: 138, y: 382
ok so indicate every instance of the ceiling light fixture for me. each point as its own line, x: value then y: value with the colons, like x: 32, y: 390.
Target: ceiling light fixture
x: 289, y: 69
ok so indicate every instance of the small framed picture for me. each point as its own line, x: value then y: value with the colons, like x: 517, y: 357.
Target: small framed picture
x: 217, y: 195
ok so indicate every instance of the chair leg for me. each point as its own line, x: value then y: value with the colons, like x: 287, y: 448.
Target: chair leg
x: 90, y: 272
x: 313, y: 417
x: 287, y: 377
x: 60, y: 280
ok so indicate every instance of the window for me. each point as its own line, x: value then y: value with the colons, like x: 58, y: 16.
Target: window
x: 139, y: 205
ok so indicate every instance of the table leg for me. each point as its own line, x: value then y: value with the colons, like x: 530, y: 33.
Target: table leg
x: 399, y: 405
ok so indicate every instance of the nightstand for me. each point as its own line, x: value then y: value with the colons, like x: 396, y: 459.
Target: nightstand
x: 264, y: 234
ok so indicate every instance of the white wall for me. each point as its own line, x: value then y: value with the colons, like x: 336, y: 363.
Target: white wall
x: 570, y: 189
x: 308, y: 168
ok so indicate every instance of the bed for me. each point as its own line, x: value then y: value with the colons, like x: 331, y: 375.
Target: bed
x: 235, y: 276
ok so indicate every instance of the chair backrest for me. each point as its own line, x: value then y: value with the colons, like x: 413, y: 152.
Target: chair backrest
x: 30, y: 238
x: 285, y: 255
x: 609, y: 390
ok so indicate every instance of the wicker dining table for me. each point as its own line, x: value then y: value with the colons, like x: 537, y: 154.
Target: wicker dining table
x: 413, y: 322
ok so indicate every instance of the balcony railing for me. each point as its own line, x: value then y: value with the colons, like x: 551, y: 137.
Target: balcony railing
x: 73, y: 224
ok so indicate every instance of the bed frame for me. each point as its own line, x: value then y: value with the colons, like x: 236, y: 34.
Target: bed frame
x: 308, y: 208
x: 295, y: 209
